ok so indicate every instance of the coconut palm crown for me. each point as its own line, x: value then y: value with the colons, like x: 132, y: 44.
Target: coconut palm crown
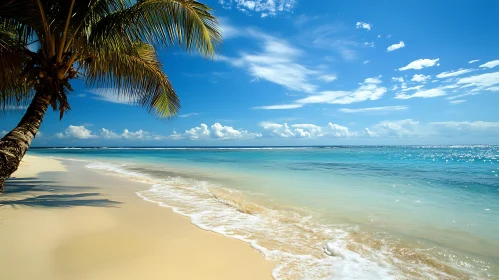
x: 105, y: 43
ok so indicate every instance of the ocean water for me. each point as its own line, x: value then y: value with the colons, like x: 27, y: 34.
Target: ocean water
x: 391, y: 212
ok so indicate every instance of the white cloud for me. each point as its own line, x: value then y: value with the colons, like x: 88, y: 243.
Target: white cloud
x: 337, y: 130
x: 3, y: 133
x: 328, y: 78
x: 276, y: 63
x: 473, y: 85
x: 412, y: 88
x: 108, y: 134
x: 385, y: 129
x: 265, y: 7
x: 490, y: 64
x: 402, y: 128
x: 496, y: 88
x: 374, y: 80
x: 398, y: 79
x: 363, y: 25
x: 470, y: 93
x: 366, y: 61
x: 411, y: 128
x: 453, y: 73
x: 473, y: 61
x: 79, y: 132
x: 111, y: 95
x: 304, y: 130
x: 277, y: 130
x: 420, y: 78
x: 307, y: 130
x: 459, y: 101
x: 188, y: 115
x: 420, y: 64
x: 429, y: 93
x: 480, y: 81
x: 228, y: 132
x: 228, y: 31
x: 138, y: 135
x: 374, y: 109
x: 395, y: 46
x: 216, y: 131
x: 368, y: 90
x: 477, y: 128
x: 279, y: 107
x: 198, y: 132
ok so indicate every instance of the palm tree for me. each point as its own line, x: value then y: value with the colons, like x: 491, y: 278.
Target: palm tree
x: 106, y: 43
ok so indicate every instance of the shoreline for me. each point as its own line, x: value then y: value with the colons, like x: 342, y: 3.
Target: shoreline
x: 70, y: 221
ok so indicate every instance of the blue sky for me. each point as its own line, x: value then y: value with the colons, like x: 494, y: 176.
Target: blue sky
x: 313, y: 73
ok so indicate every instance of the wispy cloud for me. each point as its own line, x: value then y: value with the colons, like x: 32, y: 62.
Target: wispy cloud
x: 111, y: 95
x: 188, y: 115
x: 279, y: 107
x: 395, y: 46
x: 428, y: 93
x: 328, y: 78
x: 363, y: 25
x: 481, y: 81
x: 264, y: 7
x: 228, y: 31
x: 368, y: 90
x: 453, y: 73
x: 490, y: 64
x: 459, y: 101
x: 276, y: 62
x: 473, y: 61
x: 420, y: 64
x: 375, y: 109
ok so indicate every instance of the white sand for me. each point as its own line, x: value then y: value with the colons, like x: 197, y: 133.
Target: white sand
x: 73, y: 223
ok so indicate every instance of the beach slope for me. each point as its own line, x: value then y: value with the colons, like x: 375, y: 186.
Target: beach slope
x: 59, y: 220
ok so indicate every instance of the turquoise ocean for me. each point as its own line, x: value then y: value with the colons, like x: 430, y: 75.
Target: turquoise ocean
x: 346, y: 212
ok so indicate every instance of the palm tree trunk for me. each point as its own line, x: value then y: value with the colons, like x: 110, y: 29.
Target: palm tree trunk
x: 14, y: 145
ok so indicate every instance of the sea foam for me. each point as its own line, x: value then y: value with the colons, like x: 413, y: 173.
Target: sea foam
x: 299, y: 245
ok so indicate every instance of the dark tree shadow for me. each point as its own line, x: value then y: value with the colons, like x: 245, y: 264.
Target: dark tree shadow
x: 62, y: 200
x: 24, y: 185
x: 37, y: 190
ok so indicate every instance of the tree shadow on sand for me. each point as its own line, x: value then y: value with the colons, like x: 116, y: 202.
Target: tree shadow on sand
x: 62, y: 201
x: 37, y: 190
x: 35, y: 185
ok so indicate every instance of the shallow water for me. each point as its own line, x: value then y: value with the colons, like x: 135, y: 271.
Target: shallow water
x: 332, y: 212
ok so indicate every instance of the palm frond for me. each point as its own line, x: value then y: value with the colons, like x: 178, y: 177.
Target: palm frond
x: 134, y: 72
x: 113, y: 42
x: 13, y: 56
x: 187, y: 23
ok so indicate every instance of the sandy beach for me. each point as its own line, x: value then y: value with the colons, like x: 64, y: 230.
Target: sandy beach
x: 59, y: 220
